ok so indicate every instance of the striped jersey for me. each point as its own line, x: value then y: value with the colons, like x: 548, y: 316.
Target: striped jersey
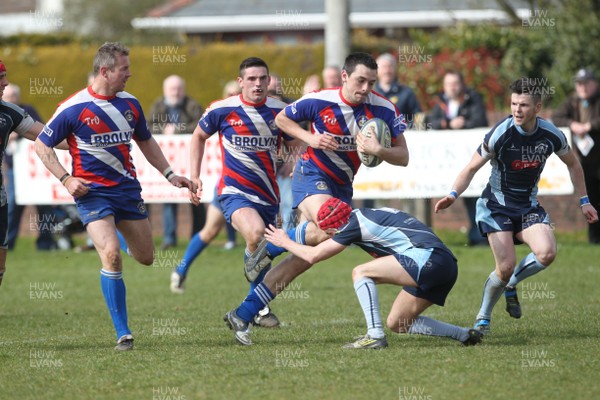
x: 249, y: 141
x: 387, y: 231
x: 517, y: 160
x: 12, y: 118
x: 329, y: 113
x: 99, y: 130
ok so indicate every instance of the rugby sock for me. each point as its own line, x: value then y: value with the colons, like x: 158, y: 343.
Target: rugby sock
x: 1, y: 276
x: 113, y: 289
x: 254, y: 302
x: 122, y: 242
x: 192, y: 251
x: 366, y: 291
x: 297, y: 234
x: 492, y: 291
x: 429, y: 326
x: 527, y: 267
x: 260, y: 276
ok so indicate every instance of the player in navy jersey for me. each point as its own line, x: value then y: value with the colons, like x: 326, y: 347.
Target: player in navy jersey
x: 249, y: 140
x: 99, y: 123
x: 12, y: 119
x: 407, y: 253
x: 508, y: 211
x: 328, y: 166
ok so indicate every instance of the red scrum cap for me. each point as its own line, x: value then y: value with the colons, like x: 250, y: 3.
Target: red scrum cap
x: 333, y: 214
x: 2, y: 67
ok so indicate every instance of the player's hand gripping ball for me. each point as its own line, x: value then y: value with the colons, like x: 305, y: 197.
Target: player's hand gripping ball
x: 378, y: 128
x: 333, y: 214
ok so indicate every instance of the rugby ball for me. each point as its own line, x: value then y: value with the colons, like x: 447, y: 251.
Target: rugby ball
x: 377, y: 127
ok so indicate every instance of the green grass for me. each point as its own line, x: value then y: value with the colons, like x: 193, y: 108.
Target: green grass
x: 61, y: 348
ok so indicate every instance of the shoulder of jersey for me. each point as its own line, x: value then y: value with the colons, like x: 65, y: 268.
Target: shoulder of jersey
x: 549, y: 126
x: 232, y: 101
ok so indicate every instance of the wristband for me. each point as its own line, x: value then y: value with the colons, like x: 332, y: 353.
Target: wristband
x: 583, y: 201
x: 168, y: 173
x: 64, y: 178
x: 454, y: 194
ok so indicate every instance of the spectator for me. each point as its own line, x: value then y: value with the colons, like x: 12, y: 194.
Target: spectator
x: 45, y: 241
x: 387, y: 85
x: 581, y: 113
x: 460, y: 107
x: 175, y: 113
x: 332, y: 77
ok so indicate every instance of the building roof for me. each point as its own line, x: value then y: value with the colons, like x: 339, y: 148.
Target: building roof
x: 206, y: 16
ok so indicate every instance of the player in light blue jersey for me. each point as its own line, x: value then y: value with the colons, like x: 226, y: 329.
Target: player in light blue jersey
x: 508, y: 211
x: 407, y: 253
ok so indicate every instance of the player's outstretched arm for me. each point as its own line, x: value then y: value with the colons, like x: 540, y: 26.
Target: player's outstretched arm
x: 312, y: 255
x: 156, y: 158
x: 576, y: 173
x: 462, y: 181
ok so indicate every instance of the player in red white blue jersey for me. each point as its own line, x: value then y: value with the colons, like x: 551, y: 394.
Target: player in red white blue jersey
x: 12, y: 119
x: 326, y: 169
x: 99, y: 124
x: 249, y: 141
x: 508, y: 211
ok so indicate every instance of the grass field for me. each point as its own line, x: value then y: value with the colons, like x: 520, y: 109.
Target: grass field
x: 56, y: 338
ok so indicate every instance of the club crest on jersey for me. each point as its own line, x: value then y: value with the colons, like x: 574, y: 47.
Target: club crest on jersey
x: 362, y: 120
x: 3, y: 122
x: 252, y: 143
x: 111, y: 138
x: 321, y: 185
x: 129, y: 115
x: 273, y: 125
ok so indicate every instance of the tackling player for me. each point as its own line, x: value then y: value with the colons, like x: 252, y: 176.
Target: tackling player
x: 99, y: 123
x: 508, y: 211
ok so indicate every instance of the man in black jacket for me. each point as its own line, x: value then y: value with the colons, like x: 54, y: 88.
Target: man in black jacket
x: 460, y: 107
x: 581, y: 113
x: 175, y: 113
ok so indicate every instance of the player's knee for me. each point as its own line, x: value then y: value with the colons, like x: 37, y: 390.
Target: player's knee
x: 396, y: 324
x: 113, y: 258
x: 546, y: 257
x: 208, y: 234
x: 146, y: 259
x: 358, y: 273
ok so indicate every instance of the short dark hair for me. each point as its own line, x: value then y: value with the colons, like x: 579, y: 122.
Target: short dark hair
x: 457, y: 73
x: 252, y: 62
x: 355, y: 59
x: 530, y: 86
x: 106, y: 56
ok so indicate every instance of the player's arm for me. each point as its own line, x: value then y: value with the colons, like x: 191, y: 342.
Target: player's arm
x: 197, y: 146
x: 576, y: 173
x: 35, y: 130
x: 462, y: 181
x: 397, y: 154
x: 77, y: 187
x: 156, y: 158
x: 292, y: 128
x: 310, y: 254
